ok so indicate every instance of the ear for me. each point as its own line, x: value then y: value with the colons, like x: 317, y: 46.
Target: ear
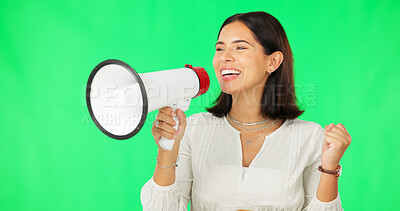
x: 274, y: 61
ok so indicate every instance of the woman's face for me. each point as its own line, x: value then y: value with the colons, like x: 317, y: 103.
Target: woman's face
x: 239, y: 61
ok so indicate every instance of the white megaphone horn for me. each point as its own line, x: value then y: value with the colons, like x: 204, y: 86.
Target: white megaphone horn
x: 119, y: 98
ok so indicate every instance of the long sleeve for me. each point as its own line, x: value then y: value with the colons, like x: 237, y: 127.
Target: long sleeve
x: 176, y: 196
x: 312, y: 175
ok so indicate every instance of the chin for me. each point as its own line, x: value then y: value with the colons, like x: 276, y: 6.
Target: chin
x: 230, y: 90
x: 231, y: 87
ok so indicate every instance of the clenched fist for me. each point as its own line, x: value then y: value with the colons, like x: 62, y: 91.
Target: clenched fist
x: 336, y: 141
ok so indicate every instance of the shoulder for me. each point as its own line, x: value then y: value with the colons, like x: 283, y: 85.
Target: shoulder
x: 312, y: 137
x: 310, y: 134
x: 307, y: 128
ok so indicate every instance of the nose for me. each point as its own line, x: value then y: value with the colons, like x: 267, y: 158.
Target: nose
x: 226, y: 56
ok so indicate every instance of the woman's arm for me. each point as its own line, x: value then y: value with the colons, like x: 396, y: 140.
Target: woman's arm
x: 156, y: 194
x: 336, y: 141
x: 313, y: 181
x: 328, y: 187
x: 170, y: 187
x: 321, y: 189
x: 165, y: 176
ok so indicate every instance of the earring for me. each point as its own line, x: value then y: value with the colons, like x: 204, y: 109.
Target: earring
x: 269, y: 73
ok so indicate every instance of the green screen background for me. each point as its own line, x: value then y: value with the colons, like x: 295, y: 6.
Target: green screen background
x: 53, y: 157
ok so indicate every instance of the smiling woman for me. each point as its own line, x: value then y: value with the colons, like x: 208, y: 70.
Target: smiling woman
x: 256, y: 46
x: 249, y: 151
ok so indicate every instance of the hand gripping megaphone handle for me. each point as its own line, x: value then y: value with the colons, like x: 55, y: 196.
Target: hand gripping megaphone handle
x: 165, y: 143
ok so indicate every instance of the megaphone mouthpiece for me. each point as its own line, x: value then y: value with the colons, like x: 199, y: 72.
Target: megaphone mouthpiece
x: 204, y: 80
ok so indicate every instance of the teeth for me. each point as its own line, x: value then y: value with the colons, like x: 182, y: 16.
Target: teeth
x: 224, y: 72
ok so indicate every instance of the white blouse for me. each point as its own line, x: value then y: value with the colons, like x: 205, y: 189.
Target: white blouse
x: 282, y: 176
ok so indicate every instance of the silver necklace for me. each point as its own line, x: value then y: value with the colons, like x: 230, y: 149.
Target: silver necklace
x: 247, y: 124
x: 253, y: 129
x: 249, y: 142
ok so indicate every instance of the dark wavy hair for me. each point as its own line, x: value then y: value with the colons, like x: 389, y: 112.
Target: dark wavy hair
x: 278, y: 98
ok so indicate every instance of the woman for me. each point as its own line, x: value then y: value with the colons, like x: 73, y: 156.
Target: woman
x: 249, y: 151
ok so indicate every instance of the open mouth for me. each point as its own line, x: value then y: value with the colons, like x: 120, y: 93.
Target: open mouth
x: 230, y: 73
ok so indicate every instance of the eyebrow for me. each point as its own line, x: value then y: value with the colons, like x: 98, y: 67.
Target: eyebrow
x: 235, y: 41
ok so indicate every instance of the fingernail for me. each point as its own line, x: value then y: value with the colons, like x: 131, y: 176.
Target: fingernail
x: 173, y: 114
x: 174, y: 137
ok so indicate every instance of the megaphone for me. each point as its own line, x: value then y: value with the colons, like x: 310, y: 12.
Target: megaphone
x: 119, y: 98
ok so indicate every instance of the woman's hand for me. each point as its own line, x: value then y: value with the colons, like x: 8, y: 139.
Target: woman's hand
x: 166, y: 127
x: 336, y: 141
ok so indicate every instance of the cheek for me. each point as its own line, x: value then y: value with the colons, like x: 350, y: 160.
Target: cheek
x: 254, y: 70
x: 216, y: 66
x: 246, y: 60
x: 215, y: 61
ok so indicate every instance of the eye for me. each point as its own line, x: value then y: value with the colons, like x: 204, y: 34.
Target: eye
x: 219, y: 49
x: 241, y: 48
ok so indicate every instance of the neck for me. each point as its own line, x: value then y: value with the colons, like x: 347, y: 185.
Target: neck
x: 246, y: 106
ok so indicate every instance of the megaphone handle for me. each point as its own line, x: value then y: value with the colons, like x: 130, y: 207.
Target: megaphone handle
x: 165, y: 143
